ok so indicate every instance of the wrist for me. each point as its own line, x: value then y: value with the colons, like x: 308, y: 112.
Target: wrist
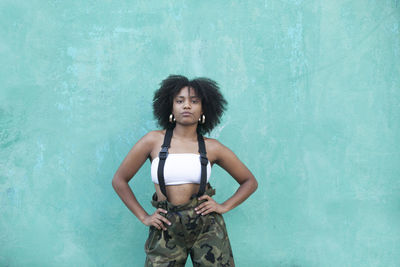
x: 225, y: 208
x: 143, y: 217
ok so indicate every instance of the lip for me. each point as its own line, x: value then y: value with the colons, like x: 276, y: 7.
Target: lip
x: 186, y: 113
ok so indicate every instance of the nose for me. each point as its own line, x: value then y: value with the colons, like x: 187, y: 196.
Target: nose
x: 187, y: 104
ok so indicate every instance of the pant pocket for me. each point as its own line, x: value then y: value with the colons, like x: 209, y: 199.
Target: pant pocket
x: 152, y: 239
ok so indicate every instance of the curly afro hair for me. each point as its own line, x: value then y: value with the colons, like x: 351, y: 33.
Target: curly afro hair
x: 212, y: 101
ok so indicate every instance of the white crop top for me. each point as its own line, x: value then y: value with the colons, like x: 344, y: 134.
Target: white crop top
x: 180, y: 168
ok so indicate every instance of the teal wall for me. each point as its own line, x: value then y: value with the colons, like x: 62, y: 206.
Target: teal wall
x: 314, y: 108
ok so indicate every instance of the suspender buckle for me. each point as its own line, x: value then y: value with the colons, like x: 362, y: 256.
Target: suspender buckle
x: 163, y: 153
x: 203, y: 159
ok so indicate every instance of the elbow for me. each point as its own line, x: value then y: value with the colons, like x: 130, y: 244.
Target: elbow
x: 251, y: 183
x: 120, y: 180
x: 255, y: 184
x: 116, y: 182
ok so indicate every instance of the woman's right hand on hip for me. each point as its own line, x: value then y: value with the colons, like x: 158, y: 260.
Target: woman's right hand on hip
x: 156, y: 219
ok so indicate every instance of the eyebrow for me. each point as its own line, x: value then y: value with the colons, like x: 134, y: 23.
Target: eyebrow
x: 190, y: 97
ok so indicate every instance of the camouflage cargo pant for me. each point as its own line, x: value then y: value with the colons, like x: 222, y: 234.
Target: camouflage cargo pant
x: 204, y: 237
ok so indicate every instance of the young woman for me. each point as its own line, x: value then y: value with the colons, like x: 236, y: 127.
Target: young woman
x: 187, y: 220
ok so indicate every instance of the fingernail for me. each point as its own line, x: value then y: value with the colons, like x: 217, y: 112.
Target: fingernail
x: 169, y: 224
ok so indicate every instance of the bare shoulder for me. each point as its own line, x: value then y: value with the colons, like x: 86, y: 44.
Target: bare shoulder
x: 138, y: 154
x: 156, y: 132
x: 151, y: 136
x: 215, y: 149
x: 155, y: 139
x: 212, y: 143
x: 150, y: 139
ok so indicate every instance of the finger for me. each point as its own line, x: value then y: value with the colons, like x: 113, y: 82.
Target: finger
x: 156, y: 225
x: 204, y: 204
x: 161, y: 225
x: 200, y: 206
x: 162, y: 210
x: 201, y: 212
x: 204, y: 197
x: 163, y: 219
x: 204, y: 208
x: 207, y: 212
x: 156, y: 221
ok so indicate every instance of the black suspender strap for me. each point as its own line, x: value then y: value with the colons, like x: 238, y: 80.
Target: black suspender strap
x: 162, y: 155
x: 204, y: 162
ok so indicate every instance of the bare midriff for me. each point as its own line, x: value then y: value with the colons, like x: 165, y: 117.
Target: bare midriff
x: 178, y: 194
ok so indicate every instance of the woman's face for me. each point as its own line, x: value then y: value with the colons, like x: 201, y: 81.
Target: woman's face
x: 187, y: 106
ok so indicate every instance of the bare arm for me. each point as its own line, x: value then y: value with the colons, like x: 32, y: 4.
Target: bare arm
x: 128, y: 168
x: 248, y: 184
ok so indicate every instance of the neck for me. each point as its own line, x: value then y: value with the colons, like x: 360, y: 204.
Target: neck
x: 187, y: 132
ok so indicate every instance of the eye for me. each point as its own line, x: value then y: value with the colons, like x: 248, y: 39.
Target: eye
x: 178, y: 101
x: 195, y: 101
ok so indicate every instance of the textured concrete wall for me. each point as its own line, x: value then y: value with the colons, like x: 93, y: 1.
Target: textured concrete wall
x: 314, y: 103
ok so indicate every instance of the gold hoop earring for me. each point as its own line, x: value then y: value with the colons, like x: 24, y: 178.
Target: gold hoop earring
x: 202, y: 119
x: 171, y: 118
